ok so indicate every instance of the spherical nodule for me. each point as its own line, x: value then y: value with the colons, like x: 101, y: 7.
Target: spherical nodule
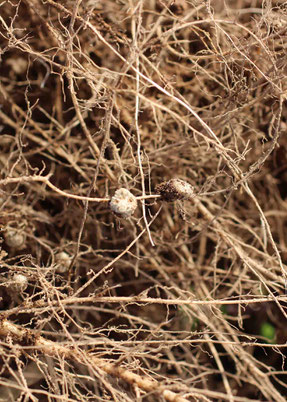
x: 19, y: 282
x: 63, y: 261
x: 175, y: 189
x: 123, y: 203
x: 14, y: 238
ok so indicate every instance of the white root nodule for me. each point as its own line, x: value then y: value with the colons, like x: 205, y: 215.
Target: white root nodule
x: 123, y: 203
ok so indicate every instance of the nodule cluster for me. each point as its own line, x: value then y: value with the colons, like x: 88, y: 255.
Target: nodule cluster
x: 124, y: 203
